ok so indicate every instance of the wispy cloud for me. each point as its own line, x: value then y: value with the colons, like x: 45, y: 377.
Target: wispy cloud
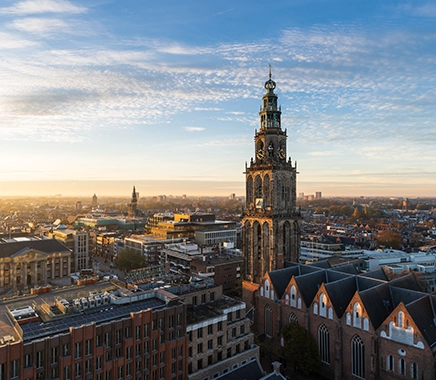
x: 194, y: 129
x: 38, y: 25
x: 42, y: 6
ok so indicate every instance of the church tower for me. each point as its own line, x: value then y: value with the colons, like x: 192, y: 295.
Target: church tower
x: 133, y: 205
x: 270, y: 222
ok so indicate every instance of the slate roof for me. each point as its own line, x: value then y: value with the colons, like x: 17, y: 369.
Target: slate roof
x: 44, y: 245
x: 340, y: 293
x: 423, y: 313
x: 308, y: 284
x: 248, y: 371
x: 280, y: 279
x: 377, y: 273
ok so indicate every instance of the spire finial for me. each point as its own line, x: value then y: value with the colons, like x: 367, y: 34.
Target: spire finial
x: 270, y: 66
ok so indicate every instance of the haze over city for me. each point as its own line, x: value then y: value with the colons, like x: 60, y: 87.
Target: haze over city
x: 97, y: 96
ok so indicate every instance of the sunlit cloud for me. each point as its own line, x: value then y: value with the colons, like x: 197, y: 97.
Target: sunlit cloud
x: 42, y: 6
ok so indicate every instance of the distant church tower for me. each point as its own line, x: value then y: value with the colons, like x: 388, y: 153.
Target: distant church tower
x: 132, y: 207
x: 94, y: 201
x: 270, y: 222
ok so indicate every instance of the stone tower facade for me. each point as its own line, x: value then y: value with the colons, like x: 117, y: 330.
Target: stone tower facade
x: 133, y: 205
x: 270, y: 223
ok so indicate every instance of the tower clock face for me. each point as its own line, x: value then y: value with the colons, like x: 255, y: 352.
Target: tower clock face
x: 282, y: 154
x: 260, y: 154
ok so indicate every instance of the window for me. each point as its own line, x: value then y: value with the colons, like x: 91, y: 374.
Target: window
x: 220, y: 341
x: 40, y: 359
x: 162, y: 357
x: 357, y: 315
x: 99, y: 363
x: 88, y: 347
x: 322, y: 305
x: 358, y: 357
x: 107, y: 339
x: 414, y: 371
x: 138, y: 332
x: 390, y: 363
x: 200, y: 332
x: 78, y: 350
x: 28, y: 360
x: 293, y: 318
x: 402, y: 365
x: 203, y: 298
x: 15, y: 368
x: 146, y: 330
x: 78, y: 369
x: 199, y: 348
x: 210, y: 344
x: 171, y: 321
x: 98, y: 340
x: 212, y: 296
x: 118, y: 337
x: 210, y: 329
x: 324, y: 344
x: 88, y: 366
x: 233, y: 332
x: 268, y: 321
x: 154, y: 344
x: 220, y: 326
x: 120, y: 372
x: 180, y: 351
x: 53, y: 355
x: 67, y: 372
x: 129, y: 351
x: 179, y: 319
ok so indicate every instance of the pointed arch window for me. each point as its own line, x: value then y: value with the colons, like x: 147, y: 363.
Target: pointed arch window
x: 402, y: 366
x: 357, y: 315
x: 249, y: 190
x: 293, y: 296
x: 390, y: 363
x: 322, y: 305
x: 414, y: 371
x: 268, y: 321
x: 358, y: 357
x: 324, y: 343
x: 293, y: 318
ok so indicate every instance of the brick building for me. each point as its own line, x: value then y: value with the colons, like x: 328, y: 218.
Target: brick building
x: 365, y: 326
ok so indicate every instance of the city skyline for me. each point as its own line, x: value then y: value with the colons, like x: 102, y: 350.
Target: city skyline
x: 166, y: 96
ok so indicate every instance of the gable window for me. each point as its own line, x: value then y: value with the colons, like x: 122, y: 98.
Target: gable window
x: 413, y: 371
x: 293, y: 296
x: 390, y: 363
x: 357, y: 315
x: 322, y: 305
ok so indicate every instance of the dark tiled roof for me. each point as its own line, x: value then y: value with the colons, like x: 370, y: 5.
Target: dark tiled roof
x: 321, y: 264
x: 378, y: 303
x: 45, y: 245
x: 377, y: 273
x: 422, y: 312
x: 405, y: 296
x: 364, y: 283
x: 309, y: 284
x: 248, y: 371
x: 347, y: 268
x: 340, y: 292
x: 280, y: 279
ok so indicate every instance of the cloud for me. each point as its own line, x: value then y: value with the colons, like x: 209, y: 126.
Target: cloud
x: 42, y: 6
x: 12, y: 41
x: 38, y: 25
x: 325, y: 153
x: 194, y: 129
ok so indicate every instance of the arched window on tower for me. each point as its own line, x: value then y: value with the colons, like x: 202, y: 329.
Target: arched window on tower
x: 286, y: 242
x: 266, y: 191
x: 248, y: 250
x: 258, y: 187
x: 268, y: 321
x: 357, y: 357
x: 249, y: 191
x: 324, y: 343
x: 267, y: 261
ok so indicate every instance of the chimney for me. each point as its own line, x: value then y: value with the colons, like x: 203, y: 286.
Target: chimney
x: 276, y: 367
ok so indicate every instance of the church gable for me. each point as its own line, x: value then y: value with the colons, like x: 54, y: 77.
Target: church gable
x: 322, y: 304
x: 401, y: 328
x: 292, y: 295
x: 356, y: 314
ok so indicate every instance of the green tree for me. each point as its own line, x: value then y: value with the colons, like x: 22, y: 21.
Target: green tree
x: 129, y: 259
x: 300, y: 349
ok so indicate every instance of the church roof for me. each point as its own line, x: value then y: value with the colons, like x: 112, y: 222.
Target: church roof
x: 423, y: 313
x: 45, y: 245
x: 248, y: 371
x: 280, y: 279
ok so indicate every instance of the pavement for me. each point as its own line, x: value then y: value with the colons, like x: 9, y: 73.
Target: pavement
x: 102, y: 265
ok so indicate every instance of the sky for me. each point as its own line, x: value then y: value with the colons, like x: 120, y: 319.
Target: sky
x: 97, y: 96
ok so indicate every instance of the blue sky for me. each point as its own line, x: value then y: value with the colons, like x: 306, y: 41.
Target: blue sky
x: 144, y: 92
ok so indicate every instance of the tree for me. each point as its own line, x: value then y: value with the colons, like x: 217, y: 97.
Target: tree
x: 389, y: 239
x: 129, y: 259
x: 300, y: 348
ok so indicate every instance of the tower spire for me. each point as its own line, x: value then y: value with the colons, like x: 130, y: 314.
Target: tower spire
x: 270, y: 66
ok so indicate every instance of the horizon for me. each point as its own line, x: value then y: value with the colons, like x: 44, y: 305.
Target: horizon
x: 150, y: 188
x: 128, y: 91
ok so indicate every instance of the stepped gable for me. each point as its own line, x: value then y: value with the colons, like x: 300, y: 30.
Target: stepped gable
x: 280, y: 279
x: 340, y: 293
x: 423, y: 313
x: 377, y: 273
x: 45, y: 245
x: 308, y: 285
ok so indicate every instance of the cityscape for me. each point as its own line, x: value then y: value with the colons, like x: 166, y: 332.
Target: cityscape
x: 187, y: 197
